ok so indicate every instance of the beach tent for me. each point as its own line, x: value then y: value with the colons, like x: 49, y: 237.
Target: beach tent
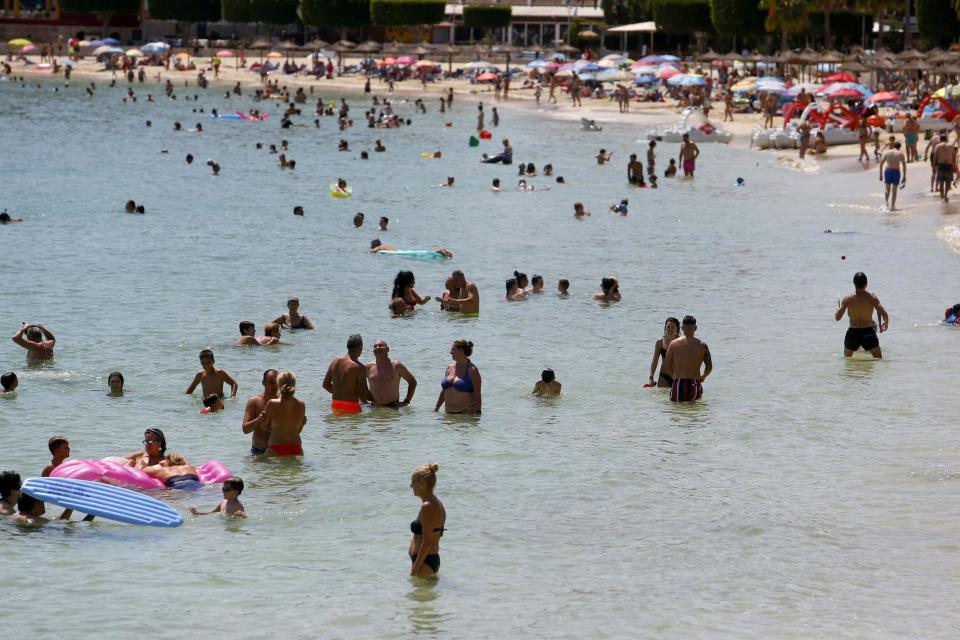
x: 636, y: 27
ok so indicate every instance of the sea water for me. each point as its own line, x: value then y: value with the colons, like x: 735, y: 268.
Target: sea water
x: 805, y: 496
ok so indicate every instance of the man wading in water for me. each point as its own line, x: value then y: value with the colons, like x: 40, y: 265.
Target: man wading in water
x: 859, y: 306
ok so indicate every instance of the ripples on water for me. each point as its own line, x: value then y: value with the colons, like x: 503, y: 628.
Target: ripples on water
x: 805, y: 496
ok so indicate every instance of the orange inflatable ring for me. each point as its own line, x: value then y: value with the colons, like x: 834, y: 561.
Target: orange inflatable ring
x: 877, y: 121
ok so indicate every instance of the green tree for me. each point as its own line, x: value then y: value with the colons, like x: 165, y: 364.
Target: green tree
x: 339, y: 14
x: 734, y: 18
x: 786, y: 16
x: 487, y: 17
x: 829, y: 7
x: 237, y: 10
x: 104, y: 9
x: 406, y: 13
x: 185, y: 11
x: 275, y: 11
x: 682, y: 17
x: 624, y: 11
x: 937, y: 21
x: 878, y: 10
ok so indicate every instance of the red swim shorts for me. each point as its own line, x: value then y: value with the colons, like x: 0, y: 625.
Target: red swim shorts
x: 345, y: 406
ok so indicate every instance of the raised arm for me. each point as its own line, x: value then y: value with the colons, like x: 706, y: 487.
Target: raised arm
x: 46, y: 333
x: 18, y: 337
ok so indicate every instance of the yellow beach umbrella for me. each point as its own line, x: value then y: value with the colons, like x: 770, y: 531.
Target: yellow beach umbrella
x: 183, y: 54
x: 134, y: 53
x: 18, y: 42
x: 274, y: 54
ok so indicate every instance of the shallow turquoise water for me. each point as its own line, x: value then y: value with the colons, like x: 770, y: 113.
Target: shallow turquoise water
x: 806, y: 496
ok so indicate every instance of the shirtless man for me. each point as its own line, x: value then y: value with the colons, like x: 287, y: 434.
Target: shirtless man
x: 894, y: 161
x: 248, y: 337
x: 255, y: 406
x: 39, y: 342
x: 464, y: 296
x: 211, y: 377
x: 634, y: 170
x: 684, y: 357
x: 175, y: 473
x: 863, y: 137
x: 384, y: 377
x: 929, y: 152
x: 945, y: 161
x: 689, y: 152
x: 346, y: 379
x: 859, y: 306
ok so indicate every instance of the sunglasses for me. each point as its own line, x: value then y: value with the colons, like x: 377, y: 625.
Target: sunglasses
x: 146, y: 442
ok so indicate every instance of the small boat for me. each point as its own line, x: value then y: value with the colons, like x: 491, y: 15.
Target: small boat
x: 692, y: 122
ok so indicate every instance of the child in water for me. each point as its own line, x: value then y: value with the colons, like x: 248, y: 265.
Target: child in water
x: 212, y: 404
x: 563, y: 287
x: 211, y: 377
x: 60, y: 449
x: 547, y: 385
x: 230, y: 505
x: 620, y: 208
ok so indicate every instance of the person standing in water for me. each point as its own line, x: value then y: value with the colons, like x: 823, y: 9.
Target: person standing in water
x: 284, y: 418
x: 685, y: 356
x: 424, y: 549
x: 384, y: 376
x: 671, y: 330
x: 252, y: 420
x: 460, y: 385
x: 689, y: 152
x: 39, y: 342
x: 894, y: 161
x: 346, y: 379
x: 859, y: 307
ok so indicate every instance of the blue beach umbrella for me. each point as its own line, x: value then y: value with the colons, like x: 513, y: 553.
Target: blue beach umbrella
x: 110, y: 41
x: 538, y: 64
x: 590, y: 66
x: 644, y: 80
x: 155, y: 47
x: 669, y: 58
x: 688, y: 81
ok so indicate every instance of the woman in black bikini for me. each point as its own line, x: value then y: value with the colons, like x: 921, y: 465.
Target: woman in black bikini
x: 428, y: 527
x: 671, y: 330
x: 292, y: 319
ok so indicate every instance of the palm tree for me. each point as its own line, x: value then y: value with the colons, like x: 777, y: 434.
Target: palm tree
x: 877, y: 9
x: 786, y: 16
x: 828, y: 7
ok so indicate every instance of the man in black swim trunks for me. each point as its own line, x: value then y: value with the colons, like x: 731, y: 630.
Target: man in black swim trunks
x: 859, y: 306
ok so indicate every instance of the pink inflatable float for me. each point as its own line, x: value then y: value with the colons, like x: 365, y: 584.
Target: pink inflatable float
x: 116, y: 472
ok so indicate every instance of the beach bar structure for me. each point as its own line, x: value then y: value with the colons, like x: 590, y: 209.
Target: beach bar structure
x: 534, y: 22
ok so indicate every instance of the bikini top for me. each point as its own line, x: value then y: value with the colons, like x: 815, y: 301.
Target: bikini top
x: 464, y: 384
x: 417, y: 529
x: 299, y: 324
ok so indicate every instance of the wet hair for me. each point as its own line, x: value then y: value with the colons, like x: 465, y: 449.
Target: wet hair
x: 536, y: 278
x: 464, y: 345
x: 6, y: 380
x: 376, y: 242
x: 403, y: 280
x: 564, y: 283
x: 354, y: 341
x: 896, y: 145
x: 674, y: 321
x: 511, y: 284
x: 5, y: 217
x: 234, y: 484
x: 34, y: 334
x: 247, y: 325
x: 458, y: 274
x: 298, y: 210
x: 55, y: 442
x: 176, y: 459
x: 26, y: 503
x: 271, y: 329
x: 520, y: 277
x: 364, y: 155
x: 9, y: 482
x: 210, y: 400
x: 156, y: 433
x: 263, y: 380
x: 384, y: 219
x: 689, y: 321
x: 130, y: 205
x: 547, y: 375
x: 607, y: 284
x: 189, y: 158
x: 287, y: 383
x: 207, y: 352
x: 426, y: 474
x: 496, y: 182
x: 860, y: 280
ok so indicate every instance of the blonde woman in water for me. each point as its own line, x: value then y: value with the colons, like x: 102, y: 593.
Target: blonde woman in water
x: 427, y: 529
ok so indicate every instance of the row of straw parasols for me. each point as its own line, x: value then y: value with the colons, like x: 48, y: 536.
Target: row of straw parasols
x: 934, y: 61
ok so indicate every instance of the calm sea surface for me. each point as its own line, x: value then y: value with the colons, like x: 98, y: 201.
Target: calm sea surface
x: 805, y: 496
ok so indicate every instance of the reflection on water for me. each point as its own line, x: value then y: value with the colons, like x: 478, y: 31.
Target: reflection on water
x: 422, y: 611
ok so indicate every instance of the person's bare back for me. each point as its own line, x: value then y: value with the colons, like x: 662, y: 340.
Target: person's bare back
x: 348, y: 380
x: 286, y: 418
